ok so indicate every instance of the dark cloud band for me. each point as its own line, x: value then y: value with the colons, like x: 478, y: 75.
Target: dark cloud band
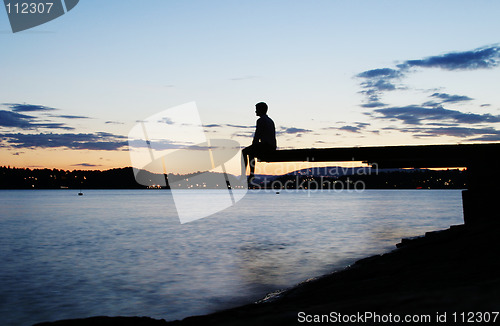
x: 16, y: 107
x: 95, y: 141
x: 11, y: 119
x: 482, y: 58
x: 377, y: 81
x: 414, y: 115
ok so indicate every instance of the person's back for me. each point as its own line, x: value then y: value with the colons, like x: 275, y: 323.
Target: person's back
x: 265, y: 132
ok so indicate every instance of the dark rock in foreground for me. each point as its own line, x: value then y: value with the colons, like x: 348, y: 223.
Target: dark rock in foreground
x: 456, y: 270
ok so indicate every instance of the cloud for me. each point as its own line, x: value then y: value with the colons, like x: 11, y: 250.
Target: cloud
x: 292, y: 130
x: 414, y: 115
x: 350, y: 128
x: 469, y: 134
x: 114, y: 122
x: 52, y: 125
x: 447, y: 98
x: 22, y: 121
x: 216, y: 125
x: 13, y: 119
x: 379, y: 85
x: 462, y: 132
x: 386, y: 73
x: 374, y: 104
x: 16, y: 107
x: 441, y: 124
x: 243, y: 134
x: 66, y: 116
x: 487, y: 138
x: 86, y: 165
x: 482, y: 58
x: 355, y: 129
x: 238, y: 126
x: 375, y: 82
x: 167, y: 120
x: 430, y: 119
x: 96, y: 141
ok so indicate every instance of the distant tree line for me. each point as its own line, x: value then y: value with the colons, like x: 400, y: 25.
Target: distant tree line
x: 123, y: 178
x: 398, y: 179
x: 23, y: 178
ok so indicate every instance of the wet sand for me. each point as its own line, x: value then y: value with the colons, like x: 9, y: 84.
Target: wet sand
x: 452, y: 271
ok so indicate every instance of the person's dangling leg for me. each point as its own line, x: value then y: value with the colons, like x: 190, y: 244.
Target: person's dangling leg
x: 252, y: 166
x: 244, y: 152
x: 257, y: 150
x: 249, y: 156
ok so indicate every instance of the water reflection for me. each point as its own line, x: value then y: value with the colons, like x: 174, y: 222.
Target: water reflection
x: 125, y: 253
x: 264, y: 264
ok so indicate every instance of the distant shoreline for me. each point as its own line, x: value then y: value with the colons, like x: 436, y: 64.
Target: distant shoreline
x: 327, y: 178
x: 442, y: 273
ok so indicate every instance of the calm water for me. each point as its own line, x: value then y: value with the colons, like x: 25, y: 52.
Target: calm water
x: 124, y: 252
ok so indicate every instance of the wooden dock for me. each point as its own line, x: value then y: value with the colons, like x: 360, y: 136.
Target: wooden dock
x: 481, y: 160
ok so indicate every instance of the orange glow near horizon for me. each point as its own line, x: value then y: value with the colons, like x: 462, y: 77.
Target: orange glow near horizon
x: 104, y: 160
x: 96, y: 160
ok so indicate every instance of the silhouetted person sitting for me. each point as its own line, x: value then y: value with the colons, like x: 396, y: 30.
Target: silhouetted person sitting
x: 264, y: 139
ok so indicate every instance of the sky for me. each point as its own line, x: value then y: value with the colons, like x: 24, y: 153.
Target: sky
x: 334, y: 74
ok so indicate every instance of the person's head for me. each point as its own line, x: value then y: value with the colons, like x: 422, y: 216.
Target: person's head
x: 260, y: 109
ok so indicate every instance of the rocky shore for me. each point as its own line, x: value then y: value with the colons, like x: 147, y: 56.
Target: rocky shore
x: 452, y: 274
